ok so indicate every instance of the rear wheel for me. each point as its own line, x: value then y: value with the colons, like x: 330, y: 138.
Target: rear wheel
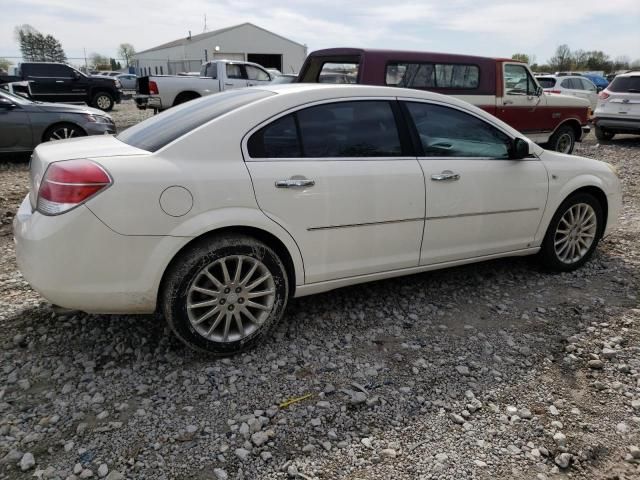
x: 225, y: 294
x: 104, y: 101
x: 604, y: 134
x: 573, y: 233
x: 62, y: 131
x: 563, y: 140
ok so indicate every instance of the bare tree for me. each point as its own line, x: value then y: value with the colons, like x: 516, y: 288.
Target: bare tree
x: 100, y: 62
x: 562, y: 59
x: 126, y: 51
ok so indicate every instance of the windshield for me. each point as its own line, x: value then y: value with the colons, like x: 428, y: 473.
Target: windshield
x: 160, y: 130
x: 15, y: 98
x: 625, y: 84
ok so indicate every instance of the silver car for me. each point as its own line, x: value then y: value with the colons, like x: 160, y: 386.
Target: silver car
x: 128, y: 81
x: 25, y: 123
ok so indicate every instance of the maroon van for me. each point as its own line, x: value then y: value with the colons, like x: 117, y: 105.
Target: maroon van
x: 503, y: 87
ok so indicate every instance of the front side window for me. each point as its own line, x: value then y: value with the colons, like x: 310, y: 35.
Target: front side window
x: 332, y: 130
x: 447, y: 132
x: 234, y: 71
x: 432, y: 75
x: 518, y: 81
x: 254, y: 73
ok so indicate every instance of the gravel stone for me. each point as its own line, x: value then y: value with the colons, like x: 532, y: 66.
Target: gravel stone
x: 27, y: 462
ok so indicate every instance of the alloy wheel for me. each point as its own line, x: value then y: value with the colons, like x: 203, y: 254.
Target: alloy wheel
x: 103, y: 102
x: 62, y: 133
x: 575, y: 233
x: 229, y: 299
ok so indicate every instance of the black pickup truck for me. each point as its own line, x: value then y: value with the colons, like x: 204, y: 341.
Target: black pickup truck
x: 57, y: 82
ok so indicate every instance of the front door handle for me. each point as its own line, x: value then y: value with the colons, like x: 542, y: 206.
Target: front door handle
x: 507, y: 102
x: 446, y: 176
x: 295, y: 183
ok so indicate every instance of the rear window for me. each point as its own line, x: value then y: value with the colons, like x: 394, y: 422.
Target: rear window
x: 546, y: 82
x: 625, y: 84
x: 162, y: 129
x: 432, y: 75
x: 338, y: 72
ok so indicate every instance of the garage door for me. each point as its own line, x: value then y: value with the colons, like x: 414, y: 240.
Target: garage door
x: 267, y: 60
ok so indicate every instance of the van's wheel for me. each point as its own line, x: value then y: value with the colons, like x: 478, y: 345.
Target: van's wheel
x: 62, y: 131
x: 573, y: 233
x: 225, y: 294
x: 603, y: 134
x: 185, y: 97
x: 103, y: 100
x: 563, y: 140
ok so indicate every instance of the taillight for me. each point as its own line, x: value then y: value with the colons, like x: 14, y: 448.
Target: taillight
x: 603, y: 95
x: 153, y: 88
x: 70, y: 183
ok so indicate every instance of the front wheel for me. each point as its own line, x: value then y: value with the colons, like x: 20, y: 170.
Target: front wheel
x: 563, y: 140
x: 573, y: 233
x: 224, y: 295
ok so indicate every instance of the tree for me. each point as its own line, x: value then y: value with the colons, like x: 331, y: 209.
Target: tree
x: 579, y: 59
x: 635, y: 64
x: 621, y: 63
x: 521, y: 57
x: 36, y: 47
x: 114, y: 64
x: 598, y: 60
x: 100, y: 62
x: 126, y: 51
x: 562, y: 59
x: 4, y: 64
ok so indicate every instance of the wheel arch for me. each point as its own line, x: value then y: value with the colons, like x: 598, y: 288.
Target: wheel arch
x: 268, y: 238
x: 575, y: 125
x: 186, y: 93
x: 599, y: 195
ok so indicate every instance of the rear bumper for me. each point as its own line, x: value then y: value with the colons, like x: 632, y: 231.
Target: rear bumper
x: 75, y: 261
x: 144, y: 102
x: 622, y: 125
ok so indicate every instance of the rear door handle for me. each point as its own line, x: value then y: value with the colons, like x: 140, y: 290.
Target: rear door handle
x: 446, y: 176
x: 295, y: 183
x: 59, y: 81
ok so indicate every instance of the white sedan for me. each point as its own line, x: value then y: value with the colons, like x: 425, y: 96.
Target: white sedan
x: 218, y: 211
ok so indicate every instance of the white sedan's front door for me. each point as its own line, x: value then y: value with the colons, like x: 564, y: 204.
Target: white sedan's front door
x: 479, y: 202
x: 336, y: 178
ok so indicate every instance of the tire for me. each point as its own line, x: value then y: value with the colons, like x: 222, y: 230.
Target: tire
x: 185, y: 97
x: 604, y: 134
x: 559, y: 257
x: 563, y: 140
x: 103, y: 101
x: 189, y: 283
x: 61, y: 131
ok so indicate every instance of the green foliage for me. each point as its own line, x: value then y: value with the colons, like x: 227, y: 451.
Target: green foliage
x: 36, y: 47
x: 115, y: 65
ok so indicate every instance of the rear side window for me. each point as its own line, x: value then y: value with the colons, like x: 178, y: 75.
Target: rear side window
x: 334, y: 130
x: 159, y: 130
x: 433, y: 75
x: 587, y: 84
x: 447, y: 132
x: 625, y: 84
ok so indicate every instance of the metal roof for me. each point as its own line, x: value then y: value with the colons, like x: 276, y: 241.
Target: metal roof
x: 205, y: 35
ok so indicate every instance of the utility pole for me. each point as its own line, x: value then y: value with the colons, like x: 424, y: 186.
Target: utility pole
x: 85, y: 59
x: 205, y: 22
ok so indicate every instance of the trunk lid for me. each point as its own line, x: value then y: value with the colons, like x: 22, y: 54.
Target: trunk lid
x: 71, y: 149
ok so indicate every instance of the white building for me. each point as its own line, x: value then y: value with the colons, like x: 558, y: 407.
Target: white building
x: 240, y: 42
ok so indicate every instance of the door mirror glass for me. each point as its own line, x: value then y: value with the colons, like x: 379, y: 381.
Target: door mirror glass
x: 519, y: 149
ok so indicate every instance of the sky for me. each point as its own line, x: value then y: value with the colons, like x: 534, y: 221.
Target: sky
x: 476, y: 27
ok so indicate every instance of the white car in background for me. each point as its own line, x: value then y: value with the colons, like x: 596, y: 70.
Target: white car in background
x: 218, y: 211
x: 573, y: 85
x: 618, y: 109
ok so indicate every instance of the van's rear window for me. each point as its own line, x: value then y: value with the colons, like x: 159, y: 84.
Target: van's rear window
x: 160, y: 130
x: 432, y: 75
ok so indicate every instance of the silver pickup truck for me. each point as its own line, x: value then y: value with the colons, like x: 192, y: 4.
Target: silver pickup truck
x: 159, y: 92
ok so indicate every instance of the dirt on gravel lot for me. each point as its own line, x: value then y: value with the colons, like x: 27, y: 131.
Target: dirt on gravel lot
x: 496, y: 370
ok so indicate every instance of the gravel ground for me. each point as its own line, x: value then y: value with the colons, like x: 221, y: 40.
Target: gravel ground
x: 489, y: 371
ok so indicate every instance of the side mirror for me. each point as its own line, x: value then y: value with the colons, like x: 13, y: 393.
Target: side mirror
x: 539, y: 91
x: 6, y: 104
x: 75, y: 75
x: 599, y: 89
x: 519, y: 149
